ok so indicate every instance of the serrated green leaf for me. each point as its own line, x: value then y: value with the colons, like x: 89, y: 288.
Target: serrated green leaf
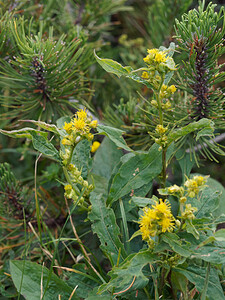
x: 44, y: 146
x: 23, y: 133
x: 81, y: 157
x: 105, y: 159
x: 46, y: 126
x: 130, y: 270
x: 197, y: 275
x: 112, y: 66
x: 175, y: 243
x: 28, y: 277
x: 115, y: 135
x: 208, y: 203
x: 174, y: 135
x: 116, y: 68
x: 212, y: 254
x: 93, y: 295
x: 104, y: 225
x: 138, y: 171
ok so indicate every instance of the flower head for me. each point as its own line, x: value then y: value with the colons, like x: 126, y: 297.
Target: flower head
x: 156, y: 220
x: 145, y: 75
x: 81, y: 114
x: 67, y: 127
x: 79, y: 124
x: 172, y: 89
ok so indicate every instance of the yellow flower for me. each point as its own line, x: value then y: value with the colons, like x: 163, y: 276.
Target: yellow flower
x: 65, y: 141
x: 153, y: 51
x: 160, y: 57
x: 167, y: 224
x: 67, y: 126
x: 147, y: 59
x: 79, y: 124
x: 164, y: 88
x: 95, y: 146
x: 172, y: 89
x: 94, y: 124
x: 81, y: 114
x: 162, y: 209
x: 200, y: 180
x: 167, y: 105
x: 156, y: 220
x: 192, y: 188
x: 160, y: 129
x: 182, y: 200
x: 174, y: 189
x: 68, y: 187
x: 145, y: 75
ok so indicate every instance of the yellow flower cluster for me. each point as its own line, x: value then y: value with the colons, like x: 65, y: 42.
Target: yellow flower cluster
x: 166, y: 91
x: 79, y: 126
x: 156, y: 220
x: 162, y: 139
x: 194, y: 185
x: 76, y: 178
x: 155, y: 55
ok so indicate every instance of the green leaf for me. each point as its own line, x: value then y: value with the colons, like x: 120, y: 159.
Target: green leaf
x: 130, y: 270
x: 114, y: 67
x: 44, y: 146
x: 105, y: 159
x: 220, y: 235
x: 85, y: 283
x: 115, y: 135
x: 185, y: 162
x: 46, y: 126
x: 197, y: 275
x: 81, y: 157
x: 104, y: 225
x: 27, y: 277
x: 191, y: 229
x: 179, y: 281
x: 208, y: 204
x: 194, y: 126
x: 23, y: 133
x: 212, y: 254
x: 100, y: 184
x: 175, y: 243
x: 142, y: 202
x: 138, y: 171
x: 93, y: 295
x: 217, y: 186
x: 39, y: 139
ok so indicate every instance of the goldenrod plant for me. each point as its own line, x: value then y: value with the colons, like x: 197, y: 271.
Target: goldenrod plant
x: 123, y: 226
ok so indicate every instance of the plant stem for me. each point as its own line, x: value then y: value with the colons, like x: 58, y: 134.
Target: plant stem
x: 164, y: 167
x: 147, y: 293
x: 203, y: 296
x: 88, y: 260
x: 125, y: 227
